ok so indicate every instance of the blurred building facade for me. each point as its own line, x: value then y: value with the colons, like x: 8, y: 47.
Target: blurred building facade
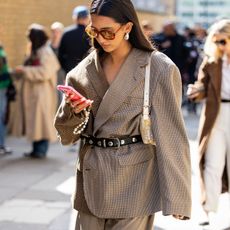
x: 157, y: 12
x: 16, y: 16
x: 203, y: 12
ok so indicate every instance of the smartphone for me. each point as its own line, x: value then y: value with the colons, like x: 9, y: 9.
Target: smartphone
x: 69, y: 90
x: 198, y: 89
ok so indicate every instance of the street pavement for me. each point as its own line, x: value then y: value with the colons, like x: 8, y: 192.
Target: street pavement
x: 36, y: 194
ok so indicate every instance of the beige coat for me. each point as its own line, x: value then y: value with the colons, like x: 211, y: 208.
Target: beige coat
x: 33, y: 112
x: 137, y: 179
x: 210, y: 75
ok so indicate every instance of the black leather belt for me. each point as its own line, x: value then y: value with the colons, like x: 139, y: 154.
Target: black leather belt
x: 110, y: 142
x: 225, y: 100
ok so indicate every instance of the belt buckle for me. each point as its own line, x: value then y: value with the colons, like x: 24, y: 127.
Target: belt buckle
x: 118, y: 142
x: 103, y: 143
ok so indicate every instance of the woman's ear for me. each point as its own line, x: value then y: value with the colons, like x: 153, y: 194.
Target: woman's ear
x: 129, y: 27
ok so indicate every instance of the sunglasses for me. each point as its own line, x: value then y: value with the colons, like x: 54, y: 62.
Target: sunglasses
x: 105, y: 33
x: 222, y: 42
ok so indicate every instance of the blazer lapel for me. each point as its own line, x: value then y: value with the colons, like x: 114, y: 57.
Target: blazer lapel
x: 131, y: 73
x: 95, y: 72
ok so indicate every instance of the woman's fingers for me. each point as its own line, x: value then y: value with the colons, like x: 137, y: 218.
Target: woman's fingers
x: 77, y: 105
x: 192, y: 92
x: 78, y: 102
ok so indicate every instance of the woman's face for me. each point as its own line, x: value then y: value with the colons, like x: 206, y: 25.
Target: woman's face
x: 223, y: 42
x: 108, y: 33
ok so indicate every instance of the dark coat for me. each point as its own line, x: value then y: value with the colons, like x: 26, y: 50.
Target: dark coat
x: 176, y: 49
x: 73, y: 48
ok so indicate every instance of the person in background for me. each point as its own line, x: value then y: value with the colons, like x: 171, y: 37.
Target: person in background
x: 55, y: 39
x: 147, y: 29
x: 74, y: 43
x: 213, y: 85
x: 171, y: 43
x: 57, y: 29
x: 5, y: 82
x: 38, y: 93
x: 192, y: 45
x: 121, y: 180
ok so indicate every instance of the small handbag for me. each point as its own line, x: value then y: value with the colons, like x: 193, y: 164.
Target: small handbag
x: 11, y: 92
x: 146, y: 122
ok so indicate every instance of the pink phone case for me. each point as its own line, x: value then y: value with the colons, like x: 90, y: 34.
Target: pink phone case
x: 76, y: 95
x: 70, y: 90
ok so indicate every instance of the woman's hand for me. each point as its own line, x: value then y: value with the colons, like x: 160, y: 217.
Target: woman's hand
x: 19, y: 69
x: 192, y: 92
x: 77, y: 105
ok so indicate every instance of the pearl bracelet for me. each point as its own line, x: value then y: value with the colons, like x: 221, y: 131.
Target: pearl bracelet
x: 78, y: 130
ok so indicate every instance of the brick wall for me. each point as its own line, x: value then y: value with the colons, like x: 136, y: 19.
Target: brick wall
x: 17, y: 15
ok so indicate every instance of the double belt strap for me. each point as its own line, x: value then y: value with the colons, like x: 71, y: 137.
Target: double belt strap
x: 225, y: 100
x: 110, y: 142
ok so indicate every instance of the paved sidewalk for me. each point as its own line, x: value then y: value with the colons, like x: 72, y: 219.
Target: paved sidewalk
x: 35, y: 194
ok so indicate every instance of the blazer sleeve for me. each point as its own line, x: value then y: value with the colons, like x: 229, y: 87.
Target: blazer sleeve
x: 66, y: 120
x: 172, y: 147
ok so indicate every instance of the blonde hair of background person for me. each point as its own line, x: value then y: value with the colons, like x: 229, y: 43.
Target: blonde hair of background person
x: 210, y: 48
x: 57, y: 29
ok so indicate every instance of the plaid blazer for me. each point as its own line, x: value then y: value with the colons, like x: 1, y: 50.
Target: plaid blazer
x: 137, y: 179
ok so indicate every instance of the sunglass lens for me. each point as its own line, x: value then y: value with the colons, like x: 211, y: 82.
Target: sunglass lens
x: 106, y: 34
x: 221, y: 42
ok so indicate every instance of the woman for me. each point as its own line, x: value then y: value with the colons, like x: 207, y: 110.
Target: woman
x: 213, y: 84
x: 38, y: 91
x: 122, y: 182
x: 5, y: 82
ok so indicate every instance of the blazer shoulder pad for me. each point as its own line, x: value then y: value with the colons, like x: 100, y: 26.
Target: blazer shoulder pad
x: 161, y: 62
x: 160, y: 57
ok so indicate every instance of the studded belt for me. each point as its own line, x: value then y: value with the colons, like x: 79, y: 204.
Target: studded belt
x: 110, y: 142
x: 225, y: 100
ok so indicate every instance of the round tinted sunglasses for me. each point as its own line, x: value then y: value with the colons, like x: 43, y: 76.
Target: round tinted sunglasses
x: 222, y: 42
x: 105, y: 33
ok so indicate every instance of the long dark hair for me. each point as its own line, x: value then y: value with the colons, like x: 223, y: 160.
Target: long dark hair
x: 122, y: 11
x: 38, y: 37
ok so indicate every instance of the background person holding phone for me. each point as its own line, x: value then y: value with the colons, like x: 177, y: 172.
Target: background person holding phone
x: 213, y: 85
x: 122, y: 182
